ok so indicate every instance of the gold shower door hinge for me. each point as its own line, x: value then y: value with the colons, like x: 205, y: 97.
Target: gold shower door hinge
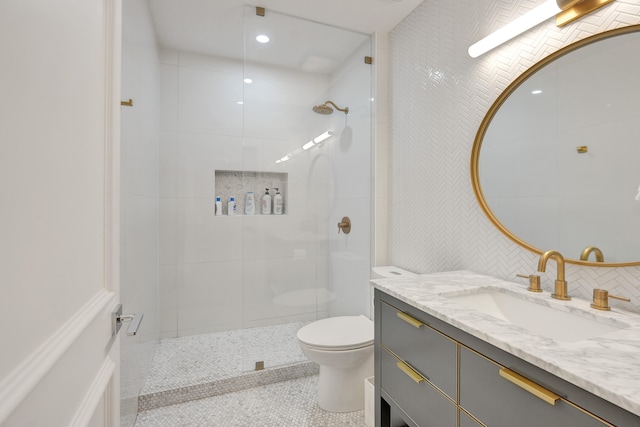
x: 368, y: 60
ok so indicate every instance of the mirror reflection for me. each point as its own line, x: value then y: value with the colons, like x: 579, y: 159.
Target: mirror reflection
x: 556, y: 163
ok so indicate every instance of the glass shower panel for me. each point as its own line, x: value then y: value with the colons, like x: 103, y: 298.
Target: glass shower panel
x: 287, y: 259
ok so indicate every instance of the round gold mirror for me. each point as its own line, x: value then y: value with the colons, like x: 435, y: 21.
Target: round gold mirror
x: 556, y: 161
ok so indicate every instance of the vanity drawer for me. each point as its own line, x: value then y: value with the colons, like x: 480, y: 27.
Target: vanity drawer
x: 432, y: 354
x: 417, y: 398
x: 488, y: 395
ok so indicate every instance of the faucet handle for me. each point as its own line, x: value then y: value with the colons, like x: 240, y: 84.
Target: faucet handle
x: 534, y: 282
x: 601, y: 299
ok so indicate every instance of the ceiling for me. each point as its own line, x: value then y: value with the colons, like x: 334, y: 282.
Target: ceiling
x: 329, y: 31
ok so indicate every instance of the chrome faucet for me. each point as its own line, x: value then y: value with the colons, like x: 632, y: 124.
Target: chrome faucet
x: 561, y: 284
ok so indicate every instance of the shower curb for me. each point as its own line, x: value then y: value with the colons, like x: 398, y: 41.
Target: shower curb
x: 226, y: 385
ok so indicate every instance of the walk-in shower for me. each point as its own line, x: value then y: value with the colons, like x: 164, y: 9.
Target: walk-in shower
x: 235, y: 289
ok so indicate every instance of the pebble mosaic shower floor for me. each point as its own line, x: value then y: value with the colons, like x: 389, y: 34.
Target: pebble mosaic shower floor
x: 209, y: 380
x: 284, y: 404
x: 198, y: 359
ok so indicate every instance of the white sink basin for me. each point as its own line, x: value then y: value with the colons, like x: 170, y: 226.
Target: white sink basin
x: 560, y: 326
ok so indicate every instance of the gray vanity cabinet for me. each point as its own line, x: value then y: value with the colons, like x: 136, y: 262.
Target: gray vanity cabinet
x: 426, y: 406
x: 410, y: 340
x: 467, y: 421
x: 497, y: 402
x: 433, y: 374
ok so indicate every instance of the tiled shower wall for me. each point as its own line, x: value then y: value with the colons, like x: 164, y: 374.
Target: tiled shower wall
x: 439, y: 96
x: 223, y: 273
x: 205, y: 286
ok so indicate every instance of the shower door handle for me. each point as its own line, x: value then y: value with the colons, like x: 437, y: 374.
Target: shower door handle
x: 117, y: 318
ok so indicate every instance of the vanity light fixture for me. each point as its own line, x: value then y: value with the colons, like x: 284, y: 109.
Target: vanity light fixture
x: 565, y: 11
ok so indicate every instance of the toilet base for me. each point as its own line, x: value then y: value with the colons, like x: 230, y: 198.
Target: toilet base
x: 342, y: 390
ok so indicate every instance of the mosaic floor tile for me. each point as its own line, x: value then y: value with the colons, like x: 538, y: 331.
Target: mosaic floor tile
x: 187, y: 361
x: 285, y: 404
x: 226, y: 385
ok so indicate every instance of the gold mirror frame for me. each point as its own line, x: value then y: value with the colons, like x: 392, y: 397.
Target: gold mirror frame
x: 477, y: 144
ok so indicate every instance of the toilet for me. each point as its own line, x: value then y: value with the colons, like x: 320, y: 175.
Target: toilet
x: 343, y: 347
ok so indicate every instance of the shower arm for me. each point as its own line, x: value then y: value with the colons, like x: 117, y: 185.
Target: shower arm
x: 344, y: 110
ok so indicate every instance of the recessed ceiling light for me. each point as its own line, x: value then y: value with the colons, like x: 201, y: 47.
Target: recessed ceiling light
x: 536, y: 92
x: 262, y: 39
x: 248, y: 81
x: 239, y: 102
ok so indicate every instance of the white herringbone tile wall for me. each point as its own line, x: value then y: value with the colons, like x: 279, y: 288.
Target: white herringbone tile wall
x: 439, y: 96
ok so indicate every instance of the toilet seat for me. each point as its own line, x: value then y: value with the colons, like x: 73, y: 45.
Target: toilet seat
x: 338, y: 333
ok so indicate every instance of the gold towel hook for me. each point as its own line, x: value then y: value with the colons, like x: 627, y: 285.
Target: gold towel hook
x: 128, y: 103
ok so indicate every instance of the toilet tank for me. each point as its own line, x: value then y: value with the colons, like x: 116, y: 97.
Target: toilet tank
x: 390, y: 272
x: 387, y: 272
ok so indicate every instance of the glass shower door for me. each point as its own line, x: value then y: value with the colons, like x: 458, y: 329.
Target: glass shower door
x: 319, y: 164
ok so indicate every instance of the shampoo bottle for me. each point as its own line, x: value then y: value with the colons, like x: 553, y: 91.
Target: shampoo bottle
x: 266, y: 203
x: 231, y: 207
x: 250, y: 204
x: 218, y: 206
x: 277, y: 203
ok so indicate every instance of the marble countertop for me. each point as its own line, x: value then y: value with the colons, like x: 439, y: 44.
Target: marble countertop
x: 607, y: 366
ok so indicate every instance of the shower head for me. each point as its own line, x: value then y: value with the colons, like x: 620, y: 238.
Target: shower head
x: 325, y: 109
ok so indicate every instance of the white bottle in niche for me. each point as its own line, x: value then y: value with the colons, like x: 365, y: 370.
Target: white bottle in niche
x: 266, y: 203
x: 218, y: 206
x: 250, y: 204
x: 231, y: 207
x: 277, y: 203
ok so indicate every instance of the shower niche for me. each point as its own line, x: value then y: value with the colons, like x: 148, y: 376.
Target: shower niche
x: 229, y: 183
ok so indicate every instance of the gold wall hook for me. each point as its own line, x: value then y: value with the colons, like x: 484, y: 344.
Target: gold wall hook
x: 128, y: 103
x: 344, y: 225
x: 582, y: 149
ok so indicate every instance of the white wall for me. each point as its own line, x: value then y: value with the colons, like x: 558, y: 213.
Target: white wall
x: 221, y: 273
x: 351, y: 157
x: 439, y: 96
x: 139, y: 198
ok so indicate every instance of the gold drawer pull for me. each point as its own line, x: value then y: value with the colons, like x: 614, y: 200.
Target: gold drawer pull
x: 528, y: 385
x: 411, y: 373
x: 410, y: 320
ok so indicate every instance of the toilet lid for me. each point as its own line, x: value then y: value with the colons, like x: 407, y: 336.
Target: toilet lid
x: 338, y: 333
